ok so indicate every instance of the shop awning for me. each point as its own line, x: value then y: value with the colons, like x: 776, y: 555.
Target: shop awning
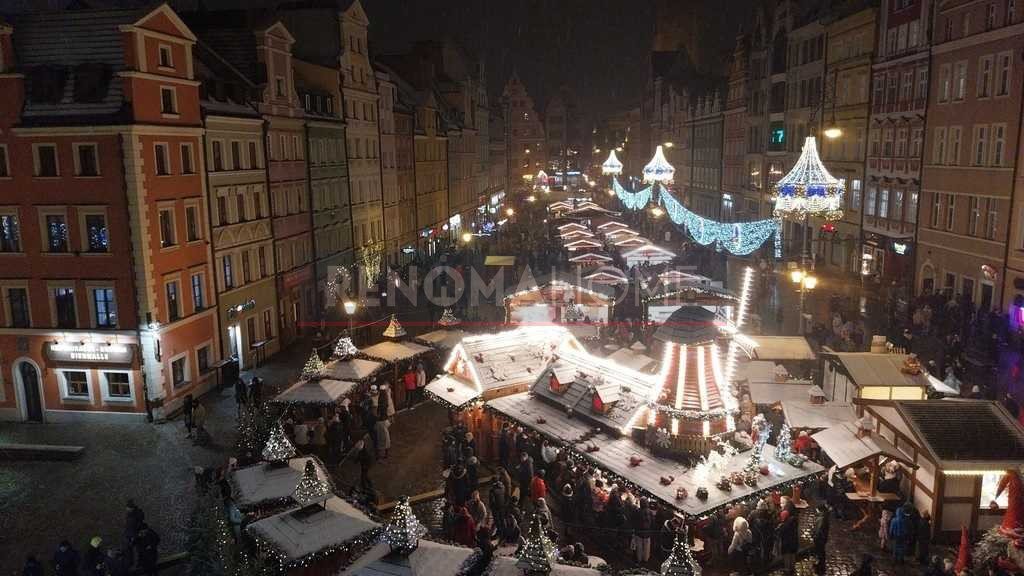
x: 843, y: 446
x: 803, y: 415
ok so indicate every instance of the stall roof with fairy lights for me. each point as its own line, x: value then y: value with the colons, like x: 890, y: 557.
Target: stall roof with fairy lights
x: 563, y: 228
x: 582, y: 244
x: 306, y: 534
x: 506, y: 566
x: 561, y: 288
x: 490, y: 365
x: 608, y: 225
x: 395, y: 351
x: 442, y: 339
x: 352, y: 370
x: 428, y: 559
x: 268, y: 484
x: 319, y: 392
x: 606, y: 275
x: 618, y: 233
x: 590, y: 258
x: 575, y: 233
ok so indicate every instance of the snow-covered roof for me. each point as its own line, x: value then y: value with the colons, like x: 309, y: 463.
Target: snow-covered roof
x: 453, y: 391
x: 445, y: 338
x: 267, y: 484
x: 295, y: 534
x: 632, y: 360
x: 803, y: 414
x: 506, y: 566
x: 782, y: 348
x: 510, y: 358
x: 428, y: 559
x: 322, y: 391
x: 395, y: 351
x: 353, y: 370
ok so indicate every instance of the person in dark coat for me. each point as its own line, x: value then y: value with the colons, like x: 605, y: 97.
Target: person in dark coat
x: 504, y: 446
x: 789, y: 540
x: 763, y: 526
x: 66, y: 560
x: 924, y: 537
x: 241, y: 394
x: 525, y: 476
x: 187, y: 408
x: 92, y: 558
x: 117, y: 563
x: 256, y: 390
x: 473, y: 472
x: 134, y: 518
x: 334, y: 442
x: 32, y: 567
x: 365, y: 460
x: 820, y: 537
x: 865, y: 568
x: 460, y: 484
x: 146, y: 546
x: 484, y: 544
x: 465, y: 527
x: 499, y: 501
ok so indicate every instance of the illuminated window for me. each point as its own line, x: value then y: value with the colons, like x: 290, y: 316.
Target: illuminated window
x: 989, y: 486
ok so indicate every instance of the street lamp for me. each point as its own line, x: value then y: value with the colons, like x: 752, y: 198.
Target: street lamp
x: 467, y: 237
x: 510, y: 211
x: 350, y: 309
x: 805, y: 282
x: 669, y: 144
x: 832, y: 132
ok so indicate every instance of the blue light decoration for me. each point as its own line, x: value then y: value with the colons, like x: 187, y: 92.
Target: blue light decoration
x: 658, y: 170
x: 808, y: 189
x: 739, y: 238
x: 632, y: 200
x: 611, y: 166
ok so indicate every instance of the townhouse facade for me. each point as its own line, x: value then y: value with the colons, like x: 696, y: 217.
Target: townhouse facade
x: 524, y: 134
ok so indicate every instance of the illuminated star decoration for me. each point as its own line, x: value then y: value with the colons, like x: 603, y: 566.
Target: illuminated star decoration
x: 611, y: 166
x: 809, y: 189
x: 739, y: 238
x: 311, y: 489
x: 314, y: 367
x: 658, y: 169
x: 534, y: 557
x: 394, y: 329
x: 448, y: 319
x: 279, y: 448
x: 344, y: 349
x: 680, y: 561
x: 403, y: 531
x: 632, y: 200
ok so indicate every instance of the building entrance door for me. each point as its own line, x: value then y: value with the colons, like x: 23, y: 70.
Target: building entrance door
x: 33, y: 398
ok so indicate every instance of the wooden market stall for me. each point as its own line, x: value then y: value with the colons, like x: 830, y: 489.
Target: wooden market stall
x: 267, y: 487
x: 506, y: 566
x: 399, y: 356
x: 443, y: 339
x: 358, y: 370
x: 647, y: 254
x: 961, y: 449
x: 633, y: 360
x: 315, y: 397
x: 560, y: 298
x: 591, y: 258
x: 805, y: 415
x: 661, y: 298
x: 872, y: 376
x: 428, y: 559
x: 608, y: 275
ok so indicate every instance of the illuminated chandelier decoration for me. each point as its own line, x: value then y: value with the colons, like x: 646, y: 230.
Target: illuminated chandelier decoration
x: 739, y: 238
x: 658, y: 169
x: 809, y: 189
x: 611, y: 166
x: 632, y: 200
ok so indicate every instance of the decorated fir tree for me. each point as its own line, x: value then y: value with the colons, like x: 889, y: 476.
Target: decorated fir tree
x: 753, y: 464
x: 534, y: 557
x: 314, y: 367
x: 278, y: 447
x: 311, y: 489
x: 680, y: 561
x: 573, y: 312
x: 784, y: 448
x: 403, y: 530
x: 253, y: 431
x: 448, y: 319
x: 394, y: 329
x: 344, y: 349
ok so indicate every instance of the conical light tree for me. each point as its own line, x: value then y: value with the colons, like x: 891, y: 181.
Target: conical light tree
x: 680, y: 561
x: 278, y: 447
x: 403, y: 530
x: 311, y: 488
x: 448, y: 319
x: 534, y: 558
x: 394, y: 329
x: 314, y: 367
x: 345, y: 349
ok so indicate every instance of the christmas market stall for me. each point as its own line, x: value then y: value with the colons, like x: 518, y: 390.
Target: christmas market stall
x: 590, y: 258
x: 323, y: 534
x: 634, y: 360
x: 768, y: 384
x: 267, y: 486
x: 814, y: 414
x: 783, y: 349
x: 662, y: 297
x: 961, y: 451
x: 561, y: 298
x: 875, y: 376
x: 315, y: 394
x: 608, y: 225
x: 647, y: 254
x: 487, y: 366
x: 443, y: 339
x: 608, y: 275
x: 398, y: 354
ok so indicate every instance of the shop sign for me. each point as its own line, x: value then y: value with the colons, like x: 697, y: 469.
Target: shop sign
x: 89, y: 352
x: 237, y: 309
x: 899, y: 248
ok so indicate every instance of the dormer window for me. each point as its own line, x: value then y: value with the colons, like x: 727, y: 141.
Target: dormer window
x: 599, y: 406
x: 555, y: 385
x: 166, y: 57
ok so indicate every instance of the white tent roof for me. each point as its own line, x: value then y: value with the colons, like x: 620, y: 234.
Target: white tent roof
x: 782, y: 348
x: 444, y: 338
x: 632, y: 360
x: 803, y: 414
x: 299, y: 532
x: 323, y: 391
x: 428, y: 559
x: 395, y: 351
x: 452, y: 390
x: 843, y: 446
x: 353, y: 370
x: 772, y: 392
x: 265, y: 483
x: 506, y: 566
x: 870, y: 369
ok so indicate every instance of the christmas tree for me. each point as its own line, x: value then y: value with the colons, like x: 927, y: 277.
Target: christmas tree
x: 253, y: 431
x: 278, y: 447
x: 448, y: 319
x: 345, y: 349
x: 784, y: 449
x: 394, y: 329
x: 311, y: 488
x: 403, y: 530
x: 314, y: 367
x: 753, y: 465
x: 680, y: 561
x: 534, y: 557
x: 573, y: 313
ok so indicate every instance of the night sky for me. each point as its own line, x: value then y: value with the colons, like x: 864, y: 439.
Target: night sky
x: 598, y: 48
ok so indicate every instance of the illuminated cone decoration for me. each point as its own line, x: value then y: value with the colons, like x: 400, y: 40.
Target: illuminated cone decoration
x: 658, y: 169
x: 534, y: 558
x: 680, y: 561
x: 448, y: 319
x: 403, y: 531
x: 311, y: 489
x: 808, y: 189
x: 394, y: 329
x: 963, y: 556
x: 278, y: 448
x: 611, y: 166
x: 345, y: 349
x: 314, y: 367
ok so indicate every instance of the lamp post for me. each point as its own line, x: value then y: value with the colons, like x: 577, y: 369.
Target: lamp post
x: 805, y: 281
x: 350, y: 309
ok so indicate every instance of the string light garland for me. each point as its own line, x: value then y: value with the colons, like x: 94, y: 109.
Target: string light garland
x: 739, y: 238
x: 351, y: 550
x: 784, y: 449
x: 449, y: 405
x: 371, y: 260
x: 809, y: 189
x: 680, y: 561
x: 611, y: 166
x: 344, y: 349
x: 314, y: 367
x: 632, y: 200
x: 534, y: 557
x: 311, y: 489
x: 658, y: 169
x: 278, y: 448
x: 394, y: 329
x: 403, y: 531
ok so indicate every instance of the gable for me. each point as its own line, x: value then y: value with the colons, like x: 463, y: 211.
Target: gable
x: 164, y: 20
x: 356, y: 14
x: 278, y: 30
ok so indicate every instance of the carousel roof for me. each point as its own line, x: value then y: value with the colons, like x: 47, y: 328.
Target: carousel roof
x: 690, y: 325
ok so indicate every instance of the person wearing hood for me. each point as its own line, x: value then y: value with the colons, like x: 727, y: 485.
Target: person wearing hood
x: 742, y: 542
x: 66, y: 560
x: 92, y: 558
x: 820, y: 536
x: 899, y: 530
x: 540, y: 508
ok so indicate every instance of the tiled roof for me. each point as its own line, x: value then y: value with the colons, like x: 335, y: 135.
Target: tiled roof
x: 689, y: 325
x: 965, y: 430
x: 230, y: 34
